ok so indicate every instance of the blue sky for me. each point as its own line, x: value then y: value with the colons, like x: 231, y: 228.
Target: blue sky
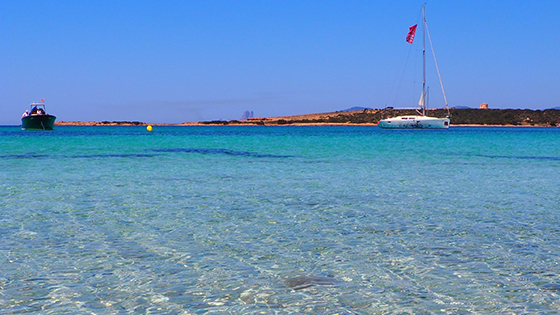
x: 176, y: 61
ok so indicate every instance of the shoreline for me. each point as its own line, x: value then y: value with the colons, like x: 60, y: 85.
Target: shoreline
x: 369, y: 117
x: 271, y: 124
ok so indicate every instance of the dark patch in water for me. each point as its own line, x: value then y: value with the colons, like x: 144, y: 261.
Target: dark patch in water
x: 519, y: 157
x: 23, y: 156
x: 516, y: 157
x: 552, y: 287
x: 303, y: 282
x: 141, y: 155
x: 37, y: 279
x: 222, y: 152
x: 128, y: 155
x: 83, y: 156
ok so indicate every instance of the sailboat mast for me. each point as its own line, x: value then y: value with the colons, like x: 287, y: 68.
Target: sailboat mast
x: 423, y: 60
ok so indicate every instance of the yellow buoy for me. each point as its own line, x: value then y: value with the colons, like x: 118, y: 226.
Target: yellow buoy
x: 149, y: 128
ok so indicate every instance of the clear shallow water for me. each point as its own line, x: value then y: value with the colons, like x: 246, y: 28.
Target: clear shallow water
x: 279, y: 220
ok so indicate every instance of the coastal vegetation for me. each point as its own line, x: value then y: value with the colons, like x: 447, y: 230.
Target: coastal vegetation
x: 515, y: 117
x: 459, y: 116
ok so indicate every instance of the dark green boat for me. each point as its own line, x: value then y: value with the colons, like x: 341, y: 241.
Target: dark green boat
x: 37, y: 118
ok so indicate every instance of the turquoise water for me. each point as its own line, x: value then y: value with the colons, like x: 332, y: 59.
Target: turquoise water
x: 279, y: 220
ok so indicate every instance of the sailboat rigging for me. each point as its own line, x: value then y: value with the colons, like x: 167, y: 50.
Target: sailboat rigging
x: 420, y: 121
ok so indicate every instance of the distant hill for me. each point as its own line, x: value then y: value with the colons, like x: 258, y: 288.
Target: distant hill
x: 461, y: 107
x: 555, y: 108
x: 355, y: 108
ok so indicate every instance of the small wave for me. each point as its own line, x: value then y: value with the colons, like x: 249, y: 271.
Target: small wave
x: 519, y: 157
x: 79, y: 156
x: 23, y: 156
x: 222, y: 151
x: 125, y: 155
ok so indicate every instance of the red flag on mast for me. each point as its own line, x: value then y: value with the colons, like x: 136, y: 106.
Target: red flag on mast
x: 411, y: 32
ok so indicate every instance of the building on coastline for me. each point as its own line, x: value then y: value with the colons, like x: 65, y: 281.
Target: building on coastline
x: 484, y: 106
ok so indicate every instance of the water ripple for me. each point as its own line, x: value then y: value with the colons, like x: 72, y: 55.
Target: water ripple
x: 515, y: 157
x: 23, y: 156
x: 518, y: 157
x: 124, y: 155
x: 219, y: 151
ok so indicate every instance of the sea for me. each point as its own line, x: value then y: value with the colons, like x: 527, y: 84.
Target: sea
x: 279, y: 220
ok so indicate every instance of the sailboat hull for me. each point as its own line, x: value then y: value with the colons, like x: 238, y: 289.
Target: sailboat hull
x: 414, y: 122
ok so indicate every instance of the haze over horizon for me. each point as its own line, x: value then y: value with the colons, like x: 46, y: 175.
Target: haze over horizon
x: 178, y: 61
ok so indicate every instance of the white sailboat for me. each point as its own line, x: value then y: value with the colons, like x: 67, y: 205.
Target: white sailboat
x: 420, y: 121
